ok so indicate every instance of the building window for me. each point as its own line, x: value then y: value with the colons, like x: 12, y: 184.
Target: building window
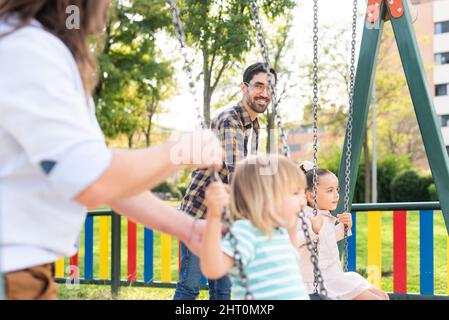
x: 442, y: 58
x: 445, y: 120
x: 441, y: 89
x: 295, y: 148
x: 441, y: 27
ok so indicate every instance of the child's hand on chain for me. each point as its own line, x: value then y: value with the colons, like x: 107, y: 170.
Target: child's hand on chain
x: 217, y: 198
x: 345, y: 218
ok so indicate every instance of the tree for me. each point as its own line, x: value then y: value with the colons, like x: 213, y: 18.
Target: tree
x: 407, y: 187
x: 135, y: 78
x: 387, y: 169
x: 220, y: 31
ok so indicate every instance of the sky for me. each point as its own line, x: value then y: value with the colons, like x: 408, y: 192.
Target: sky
x: 181, y: 113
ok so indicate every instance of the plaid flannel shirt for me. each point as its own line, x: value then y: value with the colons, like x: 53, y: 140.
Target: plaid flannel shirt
x: 233, y: 128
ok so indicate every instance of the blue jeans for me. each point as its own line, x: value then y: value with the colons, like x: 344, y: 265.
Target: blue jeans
x: 188, y: 286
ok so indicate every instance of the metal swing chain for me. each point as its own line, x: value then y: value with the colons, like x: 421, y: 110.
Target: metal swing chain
x: 180, y: 35
x: 349, y: 130
x: 313, y: 257
x: 275, y: 102
x: 187, y: 66
x: 315, y: 131
x: 233, y: 241
x: 315, y: 104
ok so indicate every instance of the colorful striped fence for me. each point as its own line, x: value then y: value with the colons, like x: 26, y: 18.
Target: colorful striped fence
x: 374, y: 247
x: 99, y: 254
x: 101, y: 250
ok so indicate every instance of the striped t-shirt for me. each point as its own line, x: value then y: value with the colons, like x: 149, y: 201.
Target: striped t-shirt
x: 271, y: 265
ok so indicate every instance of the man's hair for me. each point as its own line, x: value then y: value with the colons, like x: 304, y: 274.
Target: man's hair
x: 256, y: 68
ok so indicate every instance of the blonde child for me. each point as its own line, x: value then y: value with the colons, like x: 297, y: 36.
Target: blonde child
x: 329, y: 230
x: 266, y: 194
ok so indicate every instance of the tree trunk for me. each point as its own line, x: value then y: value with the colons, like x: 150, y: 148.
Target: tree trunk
x: 147, y: 138
x: 148, y: 130
x: 130, y: 140
x: 107, y: 47
x: 367, y: 169
x: 207, y: 97
x: 207, y: 94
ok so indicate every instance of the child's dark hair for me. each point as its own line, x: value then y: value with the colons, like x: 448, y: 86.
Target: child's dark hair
x: 309, y: 175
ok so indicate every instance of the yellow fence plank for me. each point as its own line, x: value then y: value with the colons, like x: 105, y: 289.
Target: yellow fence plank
x: 165, y: 258
x: 374, y: 269
x: 59, y: 268
x: 104, y: 248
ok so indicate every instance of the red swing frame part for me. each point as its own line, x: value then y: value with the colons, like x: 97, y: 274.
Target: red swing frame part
x: 396, y: 8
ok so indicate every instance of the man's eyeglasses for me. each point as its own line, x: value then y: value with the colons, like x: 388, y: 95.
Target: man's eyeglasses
x: 258, y: 87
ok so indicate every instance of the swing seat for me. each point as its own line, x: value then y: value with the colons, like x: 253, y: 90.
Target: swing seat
x: 317, y: 296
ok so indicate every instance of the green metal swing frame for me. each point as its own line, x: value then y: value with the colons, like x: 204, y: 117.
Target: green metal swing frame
x: 419, y: 91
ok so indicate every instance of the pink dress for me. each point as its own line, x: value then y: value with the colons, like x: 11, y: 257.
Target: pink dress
x: 339, y: 284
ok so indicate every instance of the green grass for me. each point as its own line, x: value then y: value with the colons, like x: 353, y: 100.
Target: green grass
x: 99, y: 292
x: 440, y: 260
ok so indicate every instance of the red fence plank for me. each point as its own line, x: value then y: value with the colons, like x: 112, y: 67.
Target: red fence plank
x: 74, y: 269
x: 74, y: 260
x: 132, y: 251
x: 400, y: 252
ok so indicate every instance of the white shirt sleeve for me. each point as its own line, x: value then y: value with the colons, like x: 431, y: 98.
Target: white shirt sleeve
x: 45, y: 111
x: 302, y: 241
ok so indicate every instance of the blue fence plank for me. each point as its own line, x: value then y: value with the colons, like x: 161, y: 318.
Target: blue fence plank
x: 148, y: 275
x: 426, y: 252
x: 352, y: 252
x: 89, y: 248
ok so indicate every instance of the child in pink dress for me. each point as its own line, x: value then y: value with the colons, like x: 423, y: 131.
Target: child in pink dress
x: 329, y: 230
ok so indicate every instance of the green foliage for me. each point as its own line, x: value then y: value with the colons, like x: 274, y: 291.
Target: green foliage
x: 407, y: 187
x: 432, y: 190
x: 331, y: 160
x: 425, y: 183
x: 134, y: 77
x: 387, y: 169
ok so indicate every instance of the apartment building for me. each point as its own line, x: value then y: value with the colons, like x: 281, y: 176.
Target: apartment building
x: 441, y: 70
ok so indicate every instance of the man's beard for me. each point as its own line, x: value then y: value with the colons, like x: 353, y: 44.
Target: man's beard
x: 256, y: 107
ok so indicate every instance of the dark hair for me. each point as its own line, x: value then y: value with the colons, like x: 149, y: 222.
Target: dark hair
x: 52, y: 15
x: 309, y: 175
x: 256, y: 68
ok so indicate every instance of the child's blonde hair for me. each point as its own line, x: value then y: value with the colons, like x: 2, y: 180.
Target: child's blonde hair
x: 259, y: 186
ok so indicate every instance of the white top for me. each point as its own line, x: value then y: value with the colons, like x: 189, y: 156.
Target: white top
x: 330, y: 234
x: 339, y: 284
x: 51, y: 148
